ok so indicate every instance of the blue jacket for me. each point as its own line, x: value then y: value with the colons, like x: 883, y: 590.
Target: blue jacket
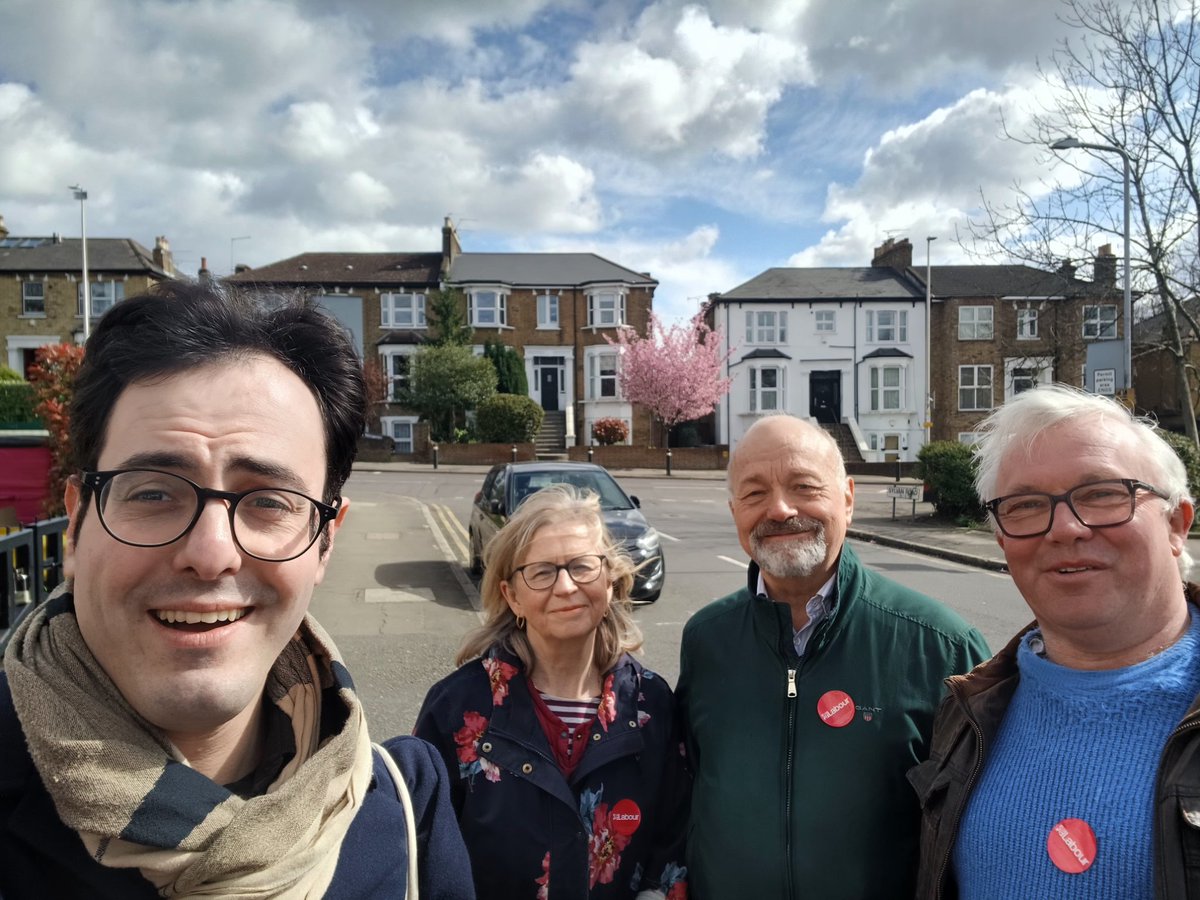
x: 42, y: 859
x: 614, y: 827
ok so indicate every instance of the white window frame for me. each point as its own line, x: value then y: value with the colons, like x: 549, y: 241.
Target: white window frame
x: 386, y: 355
x: 402, y: 310
x: 825, y: 321
x: 606, y: 308
x: 970, y: 438
x: 759, y: 392
x: 1027, y: 324
x: 388, y: 425
x: 26, y: 312
x: 887, y: 326
x: 975, y: 387
x: 766, y: 326
x: 879, y: 390
x: 547, y: 311
x: 1099, y: 324
x: 498, y: 312
x: 974, y: 325
x: 114, y: 291
x: 599, y: 377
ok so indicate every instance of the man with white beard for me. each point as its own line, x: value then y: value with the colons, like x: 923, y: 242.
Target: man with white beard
x: 807, y: 695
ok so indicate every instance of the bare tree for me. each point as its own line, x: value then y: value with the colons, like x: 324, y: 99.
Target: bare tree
x: 1128, y: 76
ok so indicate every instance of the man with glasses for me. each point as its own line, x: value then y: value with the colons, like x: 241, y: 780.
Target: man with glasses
x: 172, y: 721
x: 1069, y: 765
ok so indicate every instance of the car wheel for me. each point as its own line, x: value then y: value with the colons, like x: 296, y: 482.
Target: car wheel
x: 476, y: 559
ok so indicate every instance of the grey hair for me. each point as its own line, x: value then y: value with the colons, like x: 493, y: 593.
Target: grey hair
x: 1022, y: 419
x: 816, y: 430
x: 617, y: 632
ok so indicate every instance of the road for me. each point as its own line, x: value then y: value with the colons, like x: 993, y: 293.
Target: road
x: 398, y: 601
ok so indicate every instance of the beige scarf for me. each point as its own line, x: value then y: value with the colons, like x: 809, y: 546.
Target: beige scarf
x: 135, y: 802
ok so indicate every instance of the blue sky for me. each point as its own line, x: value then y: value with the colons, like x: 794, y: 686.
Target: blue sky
x: 702, y: 142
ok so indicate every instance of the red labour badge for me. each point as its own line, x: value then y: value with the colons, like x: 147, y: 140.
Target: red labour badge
x: 1072, y: 846
x: 836, y: 709
x: 625, y: 817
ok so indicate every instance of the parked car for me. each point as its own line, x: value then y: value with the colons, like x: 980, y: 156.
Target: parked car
x: 507, y: 485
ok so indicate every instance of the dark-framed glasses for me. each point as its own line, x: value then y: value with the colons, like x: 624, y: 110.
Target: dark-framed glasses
x: 582, y: 569
x: 148, y: 508
x: 1096, y: 504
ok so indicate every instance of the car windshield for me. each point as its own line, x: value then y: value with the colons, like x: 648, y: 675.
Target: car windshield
x: 598, y: 482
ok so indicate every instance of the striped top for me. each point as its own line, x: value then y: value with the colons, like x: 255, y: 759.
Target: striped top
x: 573, y: 713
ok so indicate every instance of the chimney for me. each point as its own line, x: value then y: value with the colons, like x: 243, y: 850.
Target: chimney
x: 1104, y: 275
x: 893, y: 254
x: 450, y: 246
x: 240, y: 268
x: 204, y: 275
x: 1066, y: 269
x: 162, y: 255
x: 3, y: 228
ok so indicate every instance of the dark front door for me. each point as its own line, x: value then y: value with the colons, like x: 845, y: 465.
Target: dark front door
x: 825, y: 397
x: 549, y: 388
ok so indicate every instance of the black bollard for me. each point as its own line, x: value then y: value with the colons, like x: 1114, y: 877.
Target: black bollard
x: 435, y: 456
x: 589, y: 454
x: 668, y: 462
x: 514, y: 453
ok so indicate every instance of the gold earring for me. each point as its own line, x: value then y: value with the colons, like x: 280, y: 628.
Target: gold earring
x: 520, y: 623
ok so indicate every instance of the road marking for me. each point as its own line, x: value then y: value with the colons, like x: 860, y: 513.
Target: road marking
x: 452, y: 529
x: 736, y: 562
x: 668, y: 537
x: 388, y: 595
x: 460, y: 574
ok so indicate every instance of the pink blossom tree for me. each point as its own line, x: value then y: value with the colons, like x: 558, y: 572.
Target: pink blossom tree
x: 675, y: 372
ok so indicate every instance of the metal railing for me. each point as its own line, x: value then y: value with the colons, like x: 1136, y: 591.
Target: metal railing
x: 31, y: 566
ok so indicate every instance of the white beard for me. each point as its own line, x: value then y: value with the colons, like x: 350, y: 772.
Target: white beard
x: 797, y: 558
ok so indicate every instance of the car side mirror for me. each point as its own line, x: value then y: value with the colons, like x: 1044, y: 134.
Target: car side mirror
x: 496, y: 507
x: 637, y: 504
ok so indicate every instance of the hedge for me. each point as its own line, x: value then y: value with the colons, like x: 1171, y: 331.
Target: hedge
x: 508, y: 418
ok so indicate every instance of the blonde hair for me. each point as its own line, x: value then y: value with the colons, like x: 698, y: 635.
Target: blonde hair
x: 617, y: 632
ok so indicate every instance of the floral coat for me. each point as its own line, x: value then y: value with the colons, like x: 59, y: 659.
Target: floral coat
x: 614, y: 828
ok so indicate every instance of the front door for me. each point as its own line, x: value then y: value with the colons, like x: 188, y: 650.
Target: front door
x: 825, y: 397
x: 548, y: 386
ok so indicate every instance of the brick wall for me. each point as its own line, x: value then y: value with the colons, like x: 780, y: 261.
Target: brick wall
x: 481, y: 454
x: 620, y: 457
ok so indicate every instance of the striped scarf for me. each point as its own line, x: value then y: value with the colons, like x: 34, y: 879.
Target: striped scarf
x: 136, y: 803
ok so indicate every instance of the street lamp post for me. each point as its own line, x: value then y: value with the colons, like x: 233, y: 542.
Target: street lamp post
x: 1070, y: 143
x: 928, y: 347
x: 81, y: 196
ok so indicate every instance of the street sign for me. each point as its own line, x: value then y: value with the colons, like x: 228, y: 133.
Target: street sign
x: 1105, y: 381
x: 905, y: 491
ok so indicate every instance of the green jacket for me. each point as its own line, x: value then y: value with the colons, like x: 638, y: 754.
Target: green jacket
x: 784, y: 804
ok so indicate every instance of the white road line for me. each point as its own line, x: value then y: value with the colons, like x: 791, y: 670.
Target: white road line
x: 453, y: 530
x: 736, y: 562
x: 460, y: 574
x: 668, y: 537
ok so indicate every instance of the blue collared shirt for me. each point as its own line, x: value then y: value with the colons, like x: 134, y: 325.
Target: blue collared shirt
x: 817, y: 609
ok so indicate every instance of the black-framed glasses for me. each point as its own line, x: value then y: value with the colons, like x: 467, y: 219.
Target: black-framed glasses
x: 148, y: 508
x: 1096, y: 504
x: 582, y: 569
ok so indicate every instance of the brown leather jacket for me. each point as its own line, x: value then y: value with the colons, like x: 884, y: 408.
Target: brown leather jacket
x: 966, y: 726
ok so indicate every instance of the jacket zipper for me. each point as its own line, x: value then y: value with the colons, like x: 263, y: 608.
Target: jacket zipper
x: 787, y: 792
x: 1160, y: 877
x: 941, y: 877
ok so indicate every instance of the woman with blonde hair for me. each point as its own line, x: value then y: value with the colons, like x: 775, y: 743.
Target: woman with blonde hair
x: 571, y: 780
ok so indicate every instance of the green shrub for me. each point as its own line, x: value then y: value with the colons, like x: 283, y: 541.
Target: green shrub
x: 508, y: 419
x: 7, y: 374
x: 948, y: 467
x: 1189, y: 455
x: 17, y: 403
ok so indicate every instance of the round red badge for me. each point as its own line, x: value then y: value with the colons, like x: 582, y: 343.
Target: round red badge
x: 1072, y: 846
x: 836, y: 709
x: 625, y: 817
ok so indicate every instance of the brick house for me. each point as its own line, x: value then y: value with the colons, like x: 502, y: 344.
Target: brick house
x: 41, y: 294
x: 847, y: 347
x: 1154, y: 374
x: 554, y: 309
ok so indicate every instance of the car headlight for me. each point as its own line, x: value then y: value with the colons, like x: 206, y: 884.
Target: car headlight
x: 648, y: 542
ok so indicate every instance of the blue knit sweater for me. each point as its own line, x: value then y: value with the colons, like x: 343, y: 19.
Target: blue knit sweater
x: 1075, y: 745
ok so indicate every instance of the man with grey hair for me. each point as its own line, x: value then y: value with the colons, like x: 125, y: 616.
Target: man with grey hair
x: 1069, y: 765
x: 807, y: 695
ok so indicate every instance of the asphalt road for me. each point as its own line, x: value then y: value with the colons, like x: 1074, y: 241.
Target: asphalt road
x: 398, y: 601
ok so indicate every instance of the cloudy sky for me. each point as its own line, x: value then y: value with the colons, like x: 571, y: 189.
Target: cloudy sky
x: 702, y: 142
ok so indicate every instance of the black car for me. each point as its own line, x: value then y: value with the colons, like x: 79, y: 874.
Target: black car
x: 506, y: 486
